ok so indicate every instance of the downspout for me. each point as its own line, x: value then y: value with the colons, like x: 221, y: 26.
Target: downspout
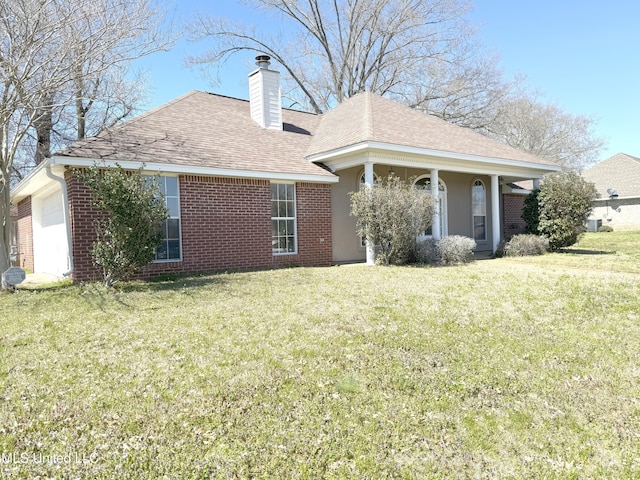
x: 65, y: 210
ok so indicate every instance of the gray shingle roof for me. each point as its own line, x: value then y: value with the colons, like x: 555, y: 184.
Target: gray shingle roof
x: 620, y: 172
x: 206, y: 130
x: 369, y: 117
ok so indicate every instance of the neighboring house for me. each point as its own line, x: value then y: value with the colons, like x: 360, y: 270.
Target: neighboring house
x: 618, y: 182
x: 252, y: 185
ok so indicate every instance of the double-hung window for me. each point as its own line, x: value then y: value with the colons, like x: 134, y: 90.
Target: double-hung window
x: 283, y: 219
x: 170, y: 245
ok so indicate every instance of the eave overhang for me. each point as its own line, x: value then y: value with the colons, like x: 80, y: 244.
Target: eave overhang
x: 37, y: 178
x: 402, y: 155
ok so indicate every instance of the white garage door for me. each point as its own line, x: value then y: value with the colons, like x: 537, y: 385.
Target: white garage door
x: 50, y: 235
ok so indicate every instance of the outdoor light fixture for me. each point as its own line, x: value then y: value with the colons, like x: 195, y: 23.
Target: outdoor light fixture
x: 612, y: 193
x: 392, y: 173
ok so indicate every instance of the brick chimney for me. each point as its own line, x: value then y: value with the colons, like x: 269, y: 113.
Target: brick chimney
x: 264, y: 95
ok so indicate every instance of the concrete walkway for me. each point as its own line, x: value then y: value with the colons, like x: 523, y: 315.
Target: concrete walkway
x: 36, y: 279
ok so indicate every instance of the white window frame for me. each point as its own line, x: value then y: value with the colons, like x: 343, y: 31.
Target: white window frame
x: 442, y: 200
x: 474, y: 184
x: 162, y: 178
x: 274, y: 238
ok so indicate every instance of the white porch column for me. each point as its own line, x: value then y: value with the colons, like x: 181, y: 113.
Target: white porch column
x: 435, y: 191
x: 536, y: 184
x: 495, y: 211
x: 368, y: 181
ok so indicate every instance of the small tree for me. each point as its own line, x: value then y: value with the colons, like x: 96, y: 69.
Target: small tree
x: 391, y: 215
x: 132, y: 211
x: 564, y: 203
x: 531, y: 213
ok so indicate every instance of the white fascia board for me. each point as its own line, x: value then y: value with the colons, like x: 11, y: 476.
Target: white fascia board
x: 609, y: 199
x: 35, y: 181
x: 515, y: 191
x: 337, y: 155
x: 194, y: 170
x: 19, y: 192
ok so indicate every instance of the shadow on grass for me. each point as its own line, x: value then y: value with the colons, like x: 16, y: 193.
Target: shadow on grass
x: 99, y: 296
x: 581, y: 251
x: 172, y: 282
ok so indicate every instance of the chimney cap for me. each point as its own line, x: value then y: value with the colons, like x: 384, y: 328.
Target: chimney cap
x: 263, y: 61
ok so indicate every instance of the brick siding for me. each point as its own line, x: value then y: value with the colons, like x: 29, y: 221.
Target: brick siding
x: 513, y: 224
x: 225, y: 225
x: 83, y: 232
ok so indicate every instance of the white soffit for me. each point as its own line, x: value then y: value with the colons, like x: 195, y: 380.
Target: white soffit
x: 194, y: 170
x: 399, y: 155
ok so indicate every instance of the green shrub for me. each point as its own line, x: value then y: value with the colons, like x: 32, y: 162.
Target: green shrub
x: 531, y: 212
x: 605, y: 228
x: 525, y: 245
x: 564, y: 204
x: 128, y: 230
x: 392, y: 214
x: 456, y: 249
x: 427, y: 251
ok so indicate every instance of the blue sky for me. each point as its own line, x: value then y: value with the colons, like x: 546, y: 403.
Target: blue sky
x: 582, y: 55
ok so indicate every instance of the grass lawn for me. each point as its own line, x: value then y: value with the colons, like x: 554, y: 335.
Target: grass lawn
x: 506, y: 368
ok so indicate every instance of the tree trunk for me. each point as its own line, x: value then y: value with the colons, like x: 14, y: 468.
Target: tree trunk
x: 5, y: 222
x: 44, y: 126
x: 80, y: 115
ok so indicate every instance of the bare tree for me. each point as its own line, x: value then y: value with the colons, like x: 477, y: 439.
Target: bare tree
x: 336, y: 49
x: 419, y: 52
x: 106, y: 36
x: 55, y: 54
x: 32, y: 65
x: 470, y: 94
x: 548, y: 131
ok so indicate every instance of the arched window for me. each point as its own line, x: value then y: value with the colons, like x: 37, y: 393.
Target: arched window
x: 424, y: 182
x: 479, y: 210
x: 361, y: 183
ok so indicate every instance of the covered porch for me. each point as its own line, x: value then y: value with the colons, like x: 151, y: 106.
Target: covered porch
x: 468, y: 200
x: 368, y: 136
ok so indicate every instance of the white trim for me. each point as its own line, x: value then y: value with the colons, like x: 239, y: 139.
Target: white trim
x: 295, y: 221
x: 495, y: 212
x: 179, y: 218
x: 194, y: 170
x: 66, y: 219
x: 609, y: 199
x: 473, y: 225
x: 506, y: 189
x: 437, y: 232
x: 442, y: 205
x: 403, y: 149
x: 369, y: 180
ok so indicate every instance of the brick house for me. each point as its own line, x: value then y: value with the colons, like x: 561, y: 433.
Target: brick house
x: 251, y: 185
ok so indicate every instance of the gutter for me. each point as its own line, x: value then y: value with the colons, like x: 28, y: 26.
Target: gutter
x: 65, y: 210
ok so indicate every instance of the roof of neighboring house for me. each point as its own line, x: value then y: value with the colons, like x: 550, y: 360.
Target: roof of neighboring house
x: 202, y: 129
x: 620, y: 172
x: 368, y: 117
